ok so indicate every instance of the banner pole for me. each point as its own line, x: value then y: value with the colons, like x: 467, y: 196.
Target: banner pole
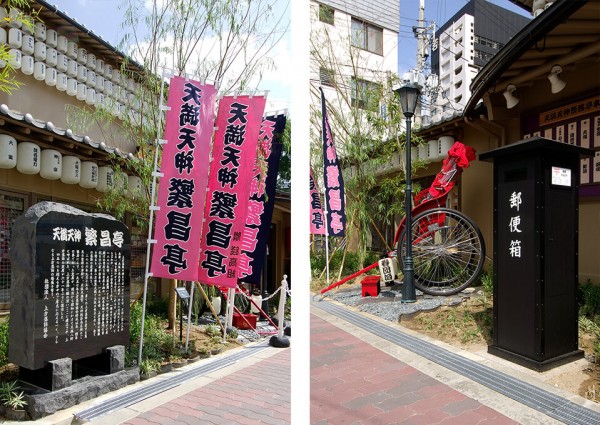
x: 151, y: 221
x: 189, y: 321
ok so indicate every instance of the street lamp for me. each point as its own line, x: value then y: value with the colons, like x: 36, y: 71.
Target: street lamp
x: 409, y: 96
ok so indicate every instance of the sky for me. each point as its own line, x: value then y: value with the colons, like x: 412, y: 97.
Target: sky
x: 105, y: 17
x: 438, y: 11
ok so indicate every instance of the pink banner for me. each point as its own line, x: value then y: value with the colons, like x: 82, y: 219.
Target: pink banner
x: 317, y: 223
x: 182, y: 189
x: 234, y: 154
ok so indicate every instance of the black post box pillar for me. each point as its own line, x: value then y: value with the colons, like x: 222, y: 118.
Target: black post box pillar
x: 536, y: 208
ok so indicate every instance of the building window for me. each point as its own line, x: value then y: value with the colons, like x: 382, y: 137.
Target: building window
x: 483, y: 55
x: 487, y: 42
x: 326, y: 14
x: 367, y: 36
x: 327, y: 77
x: 365, y: 94
x: 11, y: 207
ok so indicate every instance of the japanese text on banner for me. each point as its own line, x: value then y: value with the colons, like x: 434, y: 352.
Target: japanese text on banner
x: 182, y: 189
x: 227, y: 201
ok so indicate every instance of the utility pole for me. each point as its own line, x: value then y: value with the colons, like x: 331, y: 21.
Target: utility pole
x: 419, y: 32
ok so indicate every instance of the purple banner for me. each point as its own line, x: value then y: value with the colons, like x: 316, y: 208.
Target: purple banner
x: 332, y: 180
x: 262, y: 198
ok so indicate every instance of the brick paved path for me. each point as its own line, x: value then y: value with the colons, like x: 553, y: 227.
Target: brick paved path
x: 258, y: 394
x: 353, y: 382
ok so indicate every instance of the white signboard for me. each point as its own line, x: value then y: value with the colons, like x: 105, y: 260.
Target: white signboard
x: 561, y: 176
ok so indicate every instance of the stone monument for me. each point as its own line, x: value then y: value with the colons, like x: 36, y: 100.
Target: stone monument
x: 69, y: 297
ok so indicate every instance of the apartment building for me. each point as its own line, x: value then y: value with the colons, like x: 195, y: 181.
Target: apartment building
x: 354, y: 45
x: 466, y: 42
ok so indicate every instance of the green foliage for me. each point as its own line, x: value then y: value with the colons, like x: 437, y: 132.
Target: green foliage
x: 158, y: 306
x: 487, y: 281
x: 4, y: 342
x: 10, y: 397
x: 158, y: 343
x: 352, y: 263
x: 589, y: 300
x: 148, y: 366
x: 212, y: 330
x: 27, y: 16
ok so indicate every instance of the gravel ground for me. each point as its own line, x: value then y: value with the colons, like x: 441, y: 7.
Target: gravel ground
x: 388, y: 304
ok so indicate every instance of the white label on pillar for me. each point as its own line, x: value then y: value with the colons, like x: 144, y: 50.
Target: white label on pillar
x: 584, y: 175
x: 560, y: 133
x: 537, y: 134
x: 548, y: 133
x: 597, y: 167
x: 572, y: 133
x: 596, y: 131
x: 585, y: 133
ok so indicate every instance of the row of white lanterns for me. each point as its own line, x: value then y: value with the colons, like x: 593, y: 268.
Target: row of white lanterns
x: 432, y: 151
x: 69, y: 67
x: 50, y: 164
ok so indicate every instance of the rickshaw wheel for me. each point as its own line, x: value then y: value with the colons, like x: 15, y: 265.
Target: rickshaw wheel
x: 448, y: 251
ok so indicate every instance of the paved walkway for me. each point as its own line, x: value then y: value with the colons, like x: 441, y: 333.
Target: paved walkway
x: 256, y: 394
x: 353, y: 382
x: 253, y: 390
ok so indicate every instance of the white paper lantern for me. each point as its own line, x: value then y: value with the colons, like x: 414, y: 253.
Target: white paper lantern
x: 62, y: 62
x: 28, y: 158
x: 82, y: 56
x: 40, y: 51
x: 99, y: 66
x: 13, y: 14
x: 433, y: 150
x: 108, y: 87
x: 91, y: 78
x: 106, y: 179
x: 72, y: 87
x: 71, y: 170
x: 116, y: 77
x: 99, y: 83
x: 62, y: 44
x: 27, y: 64
x: 51, y: 164
x: 26, y: 28
x: 72, y: 50
x: 15, y: 58
x: 72, y: 69
x: 51, y: 38
x: 61, y: 82
x: 100, y: 99
x: 8, y: 151
x: 15, y: 38
x: 414, y: 154
x: 123, y: 95
x: 3, y: 35
x: 40, y: 31
x: 51, y: 57
x: 89, y: 175
x: 51, y: 77
x: 3, y: 17
x: 445, y: 143
x: 81, y: 91
x: 91, y: 62
x: 134, y: 185
x: 108, y: 71
x: 82, y: 73
x: 90, y: 97
x: 422, y: 152
x: 131, y: 84
x: 28, y: 45
x: 39, y: 71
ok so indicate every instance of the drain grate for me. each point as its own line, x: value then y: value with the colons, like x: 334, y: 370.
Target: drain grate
x: 179, y: 377
x: 544, y: 401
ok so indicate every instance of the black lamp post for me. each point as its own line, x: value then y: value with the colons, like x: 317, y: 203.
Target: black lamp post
x: 409, y: 96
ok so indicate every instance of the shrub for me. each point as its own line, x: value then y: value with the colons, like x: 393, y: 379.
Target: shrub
x: 352, y: 262
x: 589, y: 300
x: 4, y: 342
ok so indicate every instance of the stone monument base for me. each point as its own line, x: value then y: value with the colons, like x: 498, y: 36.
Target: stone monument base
x: 46, y: 403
